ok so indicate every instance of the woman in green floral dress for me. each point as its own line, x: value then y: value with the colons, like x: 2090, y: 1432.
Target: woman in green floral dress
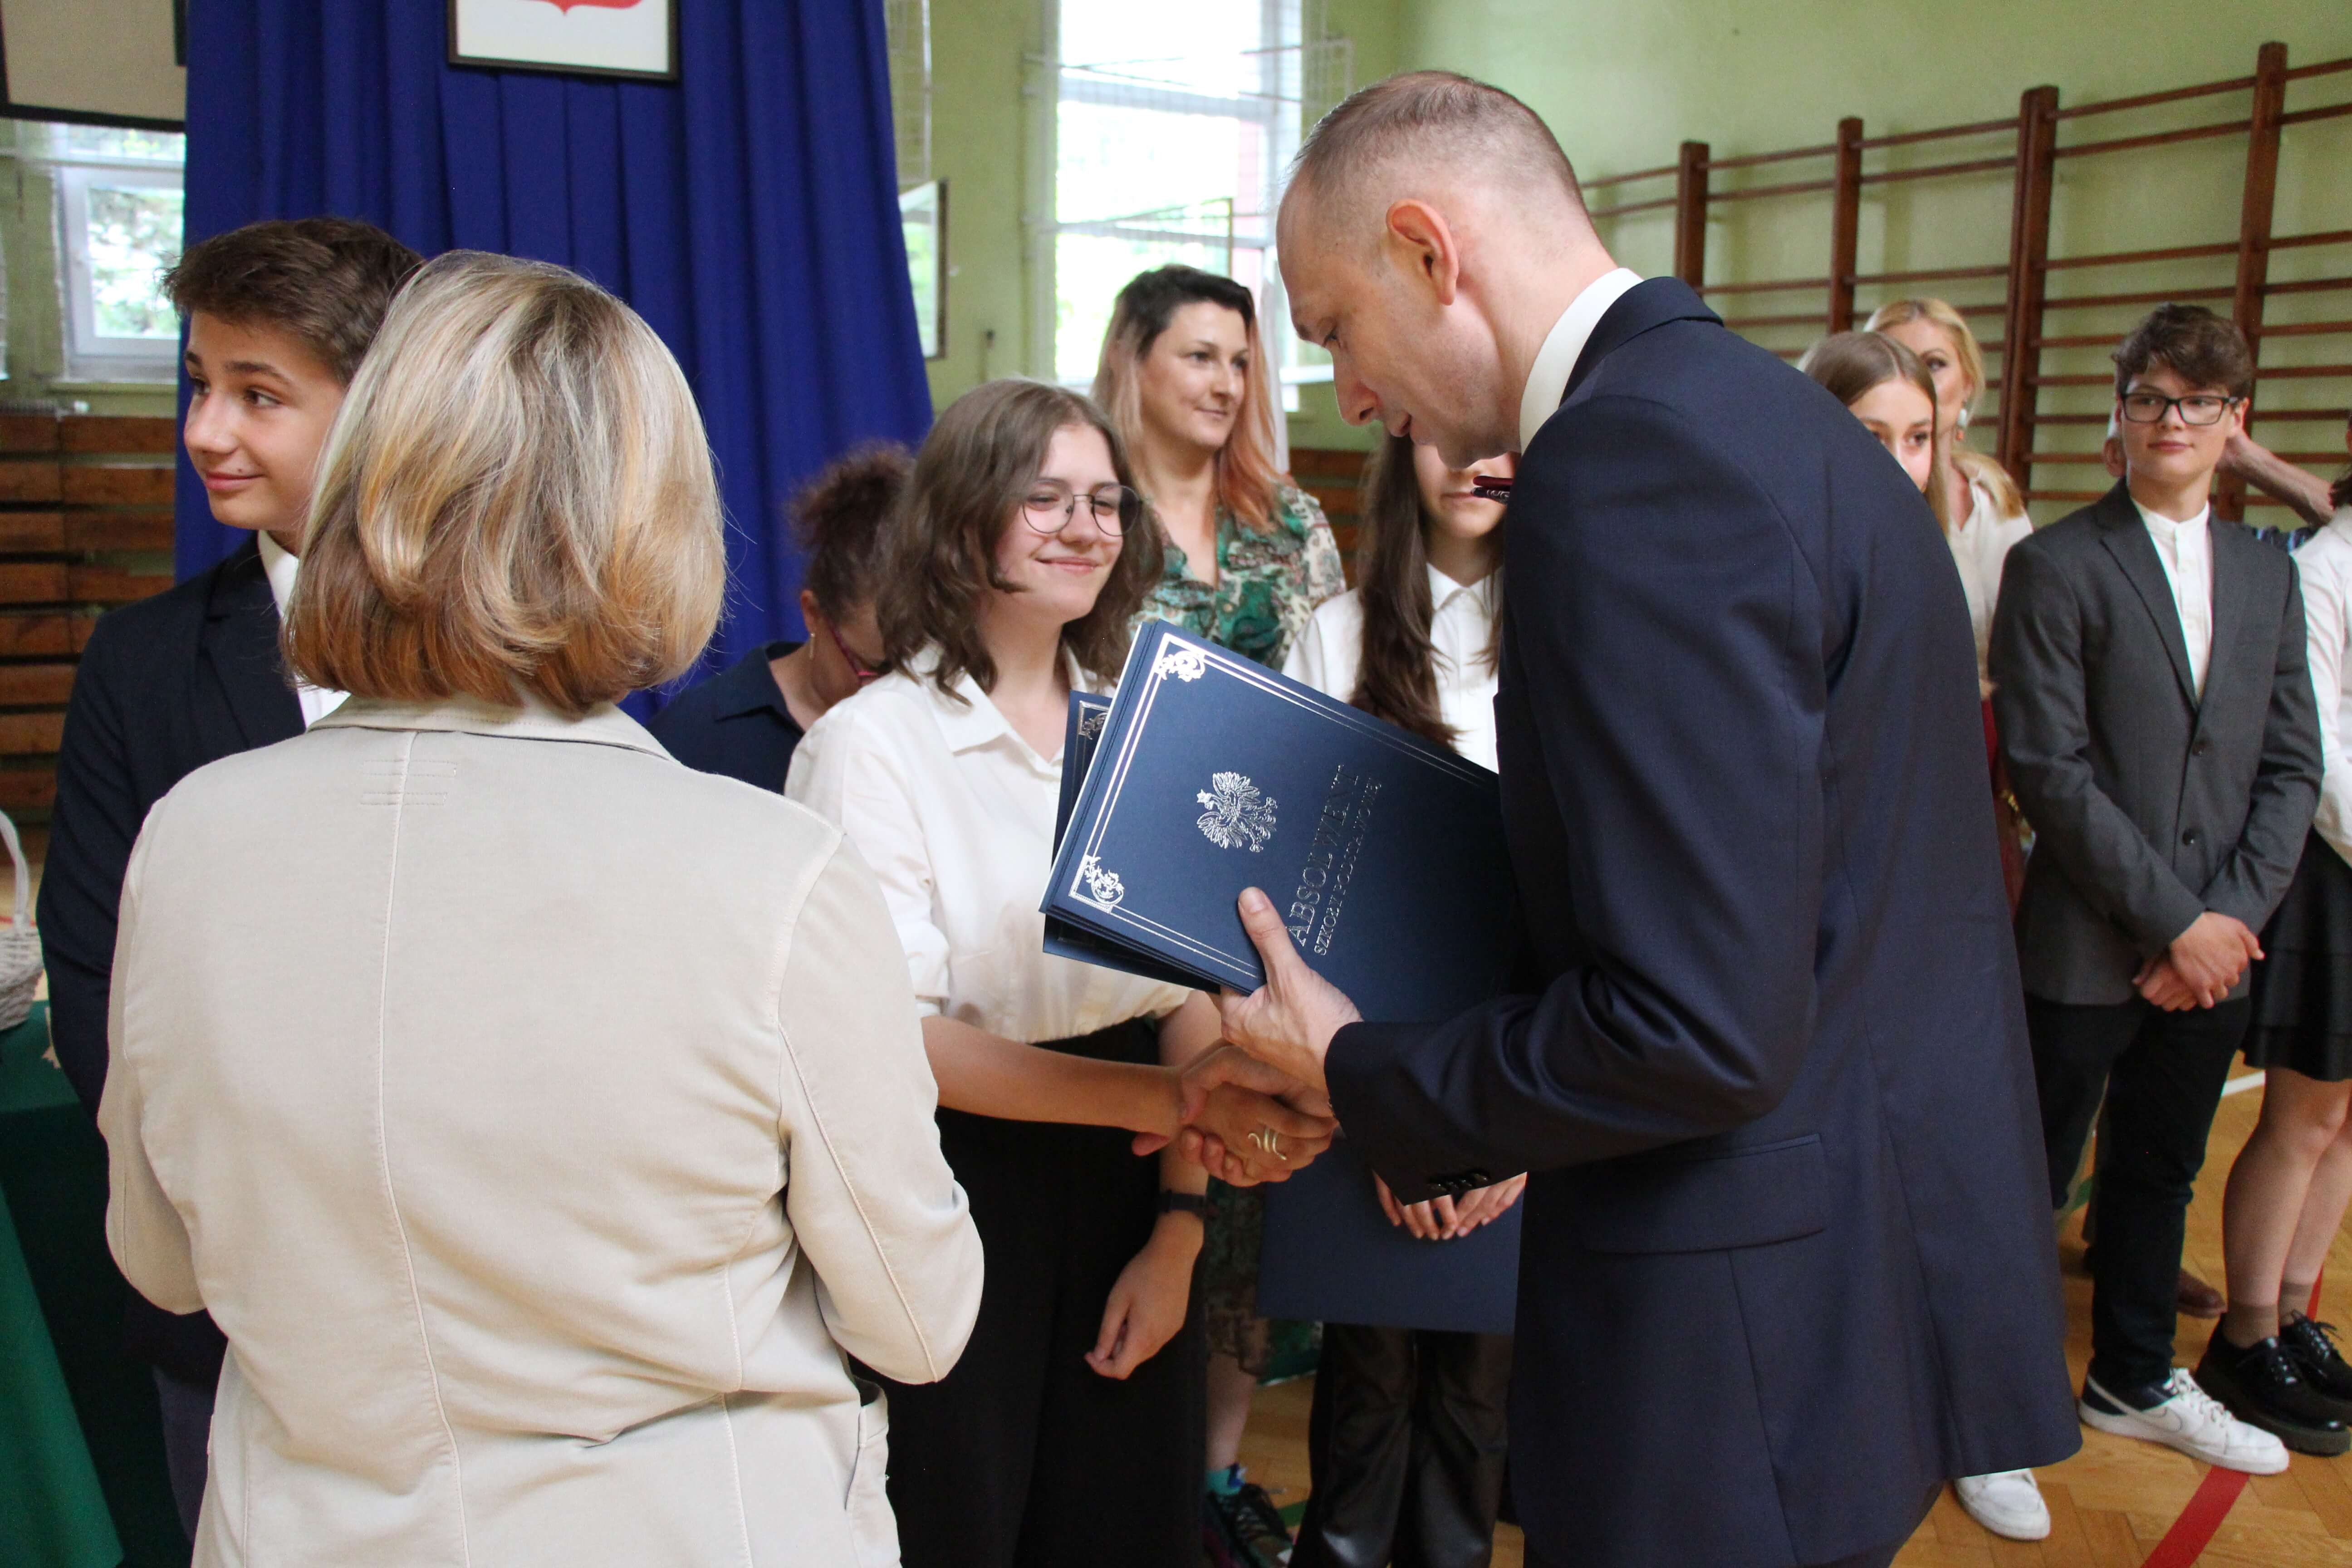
x: 1249, y: 555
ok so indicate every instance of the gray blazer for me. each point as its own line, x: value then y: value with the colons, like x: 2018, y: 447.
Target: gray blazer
x: 2149, y: 807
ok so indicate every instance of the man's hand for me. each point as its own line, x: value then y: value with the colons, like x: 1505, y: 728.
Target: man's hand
x: 1226, y: 1095
x: 1289, y: 1022
x: 2161, y: 984
x: 2212, y: 953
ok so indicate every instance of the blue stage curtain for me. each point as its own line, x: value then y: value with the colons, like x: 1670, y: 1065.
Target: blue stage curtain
x: 749, y: 214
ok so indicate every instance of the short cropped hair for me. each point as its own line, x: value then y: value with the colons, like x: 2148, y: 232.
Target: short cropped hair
x: 1431, y: 118
x: 1247, y: 474
x: 970, y: 476
x: 838, y: 518
x: 2199, y: 347
x: 516, y: 498
x: 326, y: 280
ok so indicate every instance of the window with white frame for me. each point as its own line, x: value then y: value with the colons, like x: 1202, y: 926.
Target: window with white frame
x: 1170, y: 144
x: 120, y: 208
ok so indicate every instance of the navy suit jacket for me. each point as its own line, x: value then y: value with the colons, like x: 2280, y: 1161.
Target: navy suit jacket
x: 165, y: 686
x: 1787, y: 1258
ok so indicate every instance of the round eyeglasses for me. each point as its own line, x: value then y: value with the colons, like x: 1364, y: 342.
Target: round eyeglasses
x: 1048, y: 507
x: 2197, y: 408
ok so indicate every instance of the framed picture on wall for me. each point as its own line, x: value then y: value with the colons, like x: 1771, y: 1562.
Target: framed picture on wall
x: 633, y: 39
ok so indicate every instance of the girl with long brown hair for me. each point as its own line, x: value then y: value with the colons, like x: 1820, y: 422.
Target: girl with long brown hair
x: 1068, y: 1433
x: 1183, y: 376
x: 1403, y: 1411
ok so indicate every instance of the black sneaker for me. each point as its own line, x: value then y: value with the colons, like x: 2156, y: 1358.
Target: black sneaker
x: 2311, y: 1347
x: 1248, y: 1529
x: 2260, y: 1387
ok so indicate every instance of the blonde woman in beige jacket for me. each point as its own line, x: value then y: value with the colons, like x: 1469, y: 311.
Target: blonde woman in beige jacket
x: 543, y: 1122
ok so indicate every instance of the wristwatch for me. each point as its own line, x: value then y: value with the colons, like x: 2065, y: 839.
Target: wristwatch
x: 1194, y: 1204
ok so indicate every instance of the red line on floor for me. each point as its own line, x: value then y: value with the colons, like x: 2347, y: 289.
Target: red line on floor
x: 2193, y: 1530
x: 2207, y: 1506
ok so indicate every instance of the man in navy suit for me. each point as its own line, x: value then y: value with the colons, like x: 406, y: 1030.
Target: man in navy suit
x: 1788, y: 1262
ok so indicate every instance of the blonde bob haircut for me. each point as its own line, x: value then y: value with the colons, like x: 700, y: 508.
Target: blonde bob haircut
x: 1973, y: 466
x: 516, y: 498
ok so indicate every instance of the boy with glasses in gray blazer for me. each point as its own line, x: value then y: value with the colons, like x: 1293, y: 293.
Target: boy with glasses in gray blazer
x: 2158, y: 719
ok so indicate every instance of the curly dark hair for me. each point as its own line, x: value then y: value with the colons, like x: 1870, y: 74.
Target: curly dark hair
x: 838, y: 518
x: 975, y: 469
x: 327, y: 281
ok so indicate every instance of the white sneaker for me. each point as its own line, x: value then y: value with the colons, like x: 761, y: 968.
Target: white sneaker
x: 2006, y: 1502
x: 2191, y: 1420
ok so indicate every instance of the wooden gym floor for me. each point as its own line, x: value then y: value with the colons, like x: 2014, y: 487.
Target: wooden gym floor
x: 2110, y: 1505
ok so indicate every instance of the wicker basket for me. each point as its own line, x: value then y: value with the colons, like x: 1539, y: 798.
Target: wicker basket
x: 20, y: 944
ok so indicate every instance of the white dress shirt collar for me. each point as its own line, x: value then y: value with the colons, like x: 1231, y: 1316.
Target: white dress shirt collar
x: 1556, y: 361
x: 283, y: 566
x: 976, y: 720
x: 2185, y: 550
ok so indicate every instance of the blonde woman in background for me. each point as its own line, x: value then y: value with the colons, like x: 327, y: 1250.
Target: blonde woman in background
x: 1983, y: 511
x: 1248, y: 558
x: 541, y: 1167
x: 1183, y: 376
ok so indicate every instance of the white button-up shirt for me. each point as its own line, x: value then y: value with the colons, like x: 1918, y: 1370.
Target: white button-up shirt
x: 1980, y: 545
x: 1556, y: 361
x: 1329, y: 655
x: 2325, y: 566
x: 954, y: 811
x: 2186, y: 550
x: 282, y: 567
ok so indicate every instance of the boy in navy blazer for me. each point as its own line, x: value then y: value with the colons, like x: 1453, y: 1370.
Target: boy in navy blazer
x: 279, y: 317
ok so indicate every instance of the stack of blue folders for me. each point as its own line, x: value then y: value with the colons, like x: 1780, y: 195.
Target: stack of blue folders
x: 1209, y: 774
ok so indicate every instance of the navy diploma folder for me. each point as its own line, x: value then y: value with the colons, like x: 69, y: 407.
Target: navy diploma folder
x: 1211, y: 774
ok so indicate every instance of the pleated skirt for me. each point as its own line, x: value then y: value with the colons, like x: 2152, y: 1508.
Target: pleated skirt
x: 2301, y: 989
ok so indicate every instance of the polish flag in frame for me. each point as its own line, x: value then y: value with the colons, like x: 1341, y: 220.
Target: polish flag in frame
x: 634, y: 38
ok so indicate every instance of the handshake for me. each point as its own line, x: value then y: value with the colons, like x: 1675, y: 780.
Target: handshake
x: 1242, y: 1121
x: 1255, y: 1108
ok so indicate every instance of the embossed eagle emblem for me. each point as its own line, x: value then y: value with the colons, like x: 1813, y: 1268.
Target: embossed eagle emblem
x: 1238, y: 813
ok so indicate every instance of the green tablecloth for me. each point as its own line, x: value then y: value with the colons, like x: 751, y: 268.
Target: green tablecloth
x: 82, y: 1482
x: 53, y: 1513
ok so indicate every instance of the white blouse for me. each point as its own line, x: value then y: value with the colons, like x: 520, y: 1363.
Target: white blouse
x: 2325, y: 565
x: 954, y: 811
x: 1980, y: 546
x: 1460, y: 630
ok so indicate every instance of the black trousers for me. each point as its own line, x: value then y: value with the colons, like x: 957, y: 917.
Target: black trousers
x: 2161, y: 1074
x: 1404, y: 1449
x: 1024, y: 1457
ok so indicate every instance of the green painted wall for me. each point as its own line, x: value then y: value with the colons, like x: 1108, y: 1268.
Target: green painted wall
x: 1623, y: 84
x: 979, y: 135
x: 984, y: 145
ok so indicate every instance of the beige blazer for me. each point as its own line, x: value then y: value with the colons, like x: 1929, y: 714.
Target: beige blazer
x: 541, y: 1120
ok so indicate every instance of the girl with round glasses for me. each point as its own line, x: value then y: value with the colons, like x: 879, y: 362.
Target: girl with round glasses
x: 1069, y: 1433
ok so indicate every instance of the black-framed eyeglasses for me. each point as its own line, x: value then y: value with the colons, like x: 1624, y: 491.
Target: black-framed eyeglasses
x: 2197, y: 408
x: 1049, y: 507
